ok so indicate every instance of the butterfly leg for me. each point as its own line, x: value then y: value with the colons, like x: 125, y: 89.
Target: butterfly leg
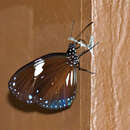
x: 81, y: 42
x: 86, y: 70
x: 84, y: 52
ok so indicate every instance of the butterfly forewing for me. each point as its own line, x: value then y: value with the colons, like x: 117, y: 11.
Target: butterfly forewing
x: 48, y: 81
x: 22, y: 83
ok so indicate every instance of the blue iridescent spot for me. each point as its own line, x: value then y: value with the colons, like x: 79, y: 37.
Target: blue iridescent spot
x: 55, y: 106
x: 51, y: 106
x: 59, y: 101
x: 69, y: 103
x: 27, y: 101
x: 63, y: 100
x: 59, y: 104
x: 40, y: 99
x: 30, y: 96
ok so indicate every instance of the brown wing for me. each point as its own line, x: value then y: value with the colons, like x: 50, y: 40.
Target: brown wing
x: 58, y: 87
x: 48, y: 81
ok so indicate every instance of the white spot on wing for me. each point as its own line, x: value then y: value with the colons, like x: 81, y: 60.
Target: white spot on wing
x: 67, y: 79
x: 42, y: 77
x: 71, y: 78
x: 46, y: 102
x: 13, y: 83
x: 14, y: 78
x: 38, y: 67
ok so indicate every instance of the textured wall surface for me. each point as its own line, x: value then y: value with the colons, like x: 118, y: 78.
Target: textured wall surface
x: 31, y: 29
x: 110, y: 88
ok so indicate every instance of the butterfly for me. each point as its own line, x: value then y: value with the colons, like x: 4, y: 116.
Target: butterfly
x: 51, y: 80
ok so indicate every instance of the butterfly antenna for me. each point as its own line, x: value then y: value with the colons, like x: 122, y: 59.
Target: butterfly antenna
x: 79, y: 41
x: 83, y: 29
x: 72, y: 27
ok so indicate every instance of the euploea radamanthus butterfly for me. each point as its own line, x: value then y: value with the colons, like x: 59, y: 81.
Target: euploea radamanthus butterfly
x: 51, y: 80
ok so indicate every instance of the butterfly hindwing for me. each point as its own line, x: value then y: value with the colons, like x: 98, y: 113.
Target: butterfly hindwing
x: 58, y: 90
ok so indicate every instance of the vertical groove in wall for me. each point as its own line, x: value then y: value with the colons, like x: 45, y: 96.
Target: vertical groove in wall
x: 85, y: 63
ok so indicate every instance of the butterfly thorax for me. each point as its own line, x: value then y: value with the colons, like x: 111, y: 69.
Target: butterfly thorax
x: 72, y: 56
